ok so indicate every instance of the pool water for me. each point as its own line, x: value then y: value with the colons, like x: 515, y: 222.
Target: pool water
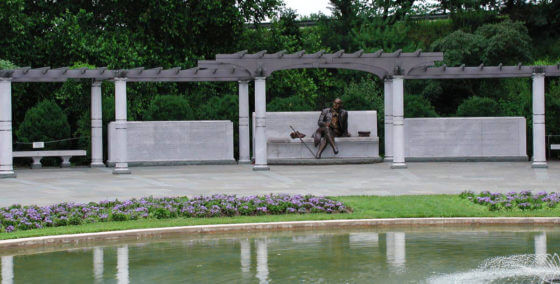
x: 435, y: 255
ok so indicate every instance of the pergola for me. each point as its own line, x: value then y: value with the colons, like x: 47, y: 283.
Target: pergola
x: 394, y: 68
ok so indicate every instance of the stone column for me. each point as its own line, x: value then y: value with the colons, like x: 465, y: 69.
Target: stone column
x: 539, y: 144
x: 121, y: 157
x: 260, y: 125
x: 388, y: 110
x: 398, y: 123
x: 244, y: 155
x: 6, y: 155
x: 96, y: 126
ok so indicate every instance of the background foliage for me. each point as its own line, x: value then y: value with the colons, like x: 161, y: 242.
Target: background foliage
x: 127, y: 34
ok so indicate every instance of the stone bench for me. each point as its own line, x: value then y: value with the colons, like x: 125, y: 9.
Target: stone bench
x: 38, y: 155
x: 282, y: 149
x: 554, y: 146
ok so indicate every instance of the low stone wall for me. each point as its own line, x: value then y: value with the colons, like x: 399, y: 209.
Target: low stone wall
x: 176, y: 142
x: 465, y: 138
x: 281, y: 149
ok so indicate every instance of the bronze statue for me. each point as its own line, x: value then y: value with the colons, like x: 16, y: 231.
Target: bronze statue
x: 333, y: 122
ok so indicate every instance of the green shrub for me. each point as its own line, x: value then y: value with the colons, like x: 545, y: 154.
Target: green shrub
x: 6, y: 64
x: 44, y: 122
x: 220, y: 108
x: 418, y: 106
x: 169, y: 108
x: 161, y: 213
x: 478, y: 106
x: 364, y: 95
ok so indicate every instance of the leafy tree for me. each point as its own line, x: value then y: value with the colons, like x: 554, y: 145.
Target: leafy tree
x: 169, y: 108
x: 291, y: 103
x: 506, y: 42
x: 460, y: 48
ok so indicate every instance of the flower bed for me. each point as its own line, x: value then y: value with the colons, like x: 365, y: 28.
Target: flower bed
x: 524, y: 200
x: 17, y: 217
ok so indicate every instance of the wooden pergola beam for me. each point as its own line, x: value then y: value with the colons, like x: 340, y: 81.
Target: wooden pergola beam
x: 46, y: 74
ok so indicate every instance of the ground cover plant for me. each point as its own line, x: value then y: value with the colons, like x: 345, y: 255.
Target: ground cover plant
x: 524, y: 200
x: 19, y: 217
x: 362, y: 207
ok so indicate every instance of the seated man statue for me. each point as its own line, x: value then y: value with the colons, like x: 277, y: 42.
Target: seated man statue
x: 333, y: 122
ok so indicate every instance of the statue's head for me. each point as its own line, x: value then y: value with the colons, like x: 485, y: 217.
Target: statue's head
x: 337, y: 104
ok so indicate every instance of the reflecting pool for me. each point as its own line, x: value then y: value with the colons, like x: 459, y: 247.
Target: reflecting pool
x: 407, y: 255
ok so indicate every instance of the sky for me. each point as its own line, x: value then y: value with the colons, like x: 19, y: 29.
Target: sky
x: 308, y: 7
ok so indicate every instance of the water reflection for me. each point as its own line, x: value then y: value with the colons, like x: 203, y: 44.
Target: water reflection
x: 396, y: 250
x: 262, y: 260
x: 363, y: 239
x: 540, y: 248
x: 245, y: 256
x: 98, y: 264
x: 7, y: 269
x: 122, y: 265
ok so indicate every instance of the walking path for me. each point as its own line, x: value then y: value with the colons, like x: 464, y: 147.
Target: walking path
x: 47, y: 186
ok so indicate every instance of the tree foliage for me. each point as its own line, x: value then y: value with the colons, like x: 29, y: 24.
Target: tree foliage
x: 169, y: 107
x: 44, y: 122
x: 478, y: 106
x: 123, y: 34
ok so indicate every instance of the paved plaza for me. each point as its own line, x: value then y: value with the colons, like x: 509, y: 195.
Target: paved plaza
x: 50, y: 185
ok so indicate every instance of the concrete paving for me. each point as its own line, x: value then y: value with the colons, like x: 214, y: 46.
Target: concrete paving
x: 52, y: 185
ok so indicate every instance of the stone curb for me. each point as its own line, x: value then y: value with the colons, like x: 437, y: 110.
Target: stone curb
x: 225, y: 228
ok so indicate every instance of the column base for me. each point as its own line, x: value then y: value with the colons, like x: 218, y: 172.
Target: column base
x: 121, y: 171
x: 97, y: 165
x: 388, y: 159
x: 65, y: 162
x: 36, y: 166
x: 261, y: 168
x: 244, y: 162
x: 539, y: 165
x: 7, y: 174
x: 398, y: 166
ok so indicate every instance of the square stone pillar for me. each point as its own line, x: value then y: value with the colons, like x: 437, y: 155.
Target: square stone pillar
x: 388, y: 110
x: 539, y: 141
x: 398, y: 123
x: 6, y: 150
x: 244, y: 152
x: 261, y: 160
x: 121, y: 161
x: 96, y: 126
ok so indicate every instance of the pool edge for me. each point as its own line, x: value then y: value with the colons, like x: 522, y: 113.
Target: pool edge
x: 289, y: 225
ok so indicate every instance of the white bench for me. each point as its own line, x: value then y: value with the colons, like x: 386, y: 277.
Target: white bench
x: 554, y: 146
x: 38, y: 155
x: 282, y: 149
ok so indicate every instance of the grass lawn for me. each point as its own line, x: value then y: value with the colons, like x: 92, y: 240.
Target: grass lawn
x: 365, y: 207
